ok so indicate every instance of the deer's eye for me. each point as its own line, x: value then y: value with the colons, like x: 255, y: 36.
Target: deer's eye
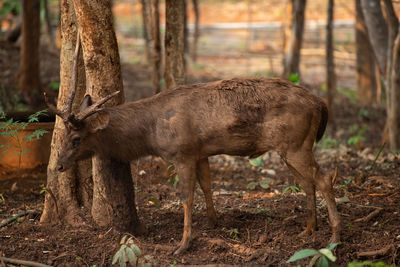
x: 76, y: 141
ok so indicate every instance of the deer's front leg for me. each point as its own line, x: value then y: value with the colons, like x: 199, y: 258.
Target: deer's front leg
x: 187, y: 181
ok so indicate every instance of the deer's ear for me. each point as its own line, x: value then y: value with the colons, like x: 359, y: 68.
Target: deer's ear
x: 98, y: 121
x: 86, y: 102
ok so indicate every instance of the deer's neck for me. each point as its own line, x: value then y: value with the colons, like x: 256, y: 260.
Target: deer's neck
x: 127, y: 137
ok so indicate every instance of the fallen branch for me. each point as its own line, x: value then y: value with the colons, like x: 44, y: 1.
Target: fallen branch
x: 16, y: 218
x: 380, y: 252
x: 21, y: 262
x: 369, y: 216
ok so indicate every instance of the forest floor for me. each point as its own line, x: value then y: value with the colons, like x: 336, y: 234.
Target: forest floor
x: 256, y: 226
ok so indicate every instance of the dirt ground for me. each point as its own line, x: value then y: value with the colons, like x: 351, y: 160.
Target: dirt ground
x: 256, y: 227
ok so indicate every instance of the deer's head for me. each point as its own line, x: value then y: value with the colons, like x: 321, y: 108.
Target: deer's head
x: 80, y: 127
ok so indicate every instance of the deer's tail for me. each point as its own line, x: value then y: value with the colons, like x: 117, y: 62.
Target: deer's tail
x: 322, y: 122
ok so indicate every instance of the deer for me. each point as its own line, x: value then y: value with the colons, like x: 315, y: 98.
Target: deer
x: 190, y: 123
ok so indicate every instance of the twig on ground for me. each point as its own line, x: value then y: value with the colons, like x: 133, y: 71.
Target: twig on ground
x: 369, y: 216
x: 379, y: 252
x: 22, y: 262
x: 16, y: 218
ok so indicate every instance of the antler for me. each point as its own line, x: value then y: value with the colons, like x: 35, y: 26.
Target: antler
x: 95, y: 107
x: 66, y: 114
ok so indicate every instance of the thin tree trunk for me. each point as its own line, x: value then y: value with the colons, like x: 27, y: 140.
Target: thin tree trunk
x: 147, y: 25
x: 392, y: 76
x: 365, y: 76
x: 156, y: 62
x: 196, y: 34
x: 113, y: 192
x: 292, y: 57
x: 377, y: 30
x: 174, y: 44
x: 48, y: 23
x: 29, y: 84
x: 69, y: 190
x: 330, y: 64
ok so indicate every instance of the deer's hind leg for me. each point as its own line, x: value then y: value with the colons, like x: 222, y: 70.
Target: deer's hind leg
x: 204, y: 179
x: 303, y: 167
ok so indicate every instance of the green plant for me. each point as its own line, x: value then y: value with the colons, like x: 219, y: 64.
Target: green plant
x: 358, y: 135
x: 321, y: 258
x: 346, y: 182
x: 172, y: 175
x: 327, y: 142
x: 55, y: 86
x: 257, y: 162
x: 294, y: 78
x: 129, y: 252
x: 9, y: 6
x: 11, y: 128
x: 369, y: 263
x: 292, y: 188
x: 234, y: 233
x: 350, y: 94
x: 264, y: 183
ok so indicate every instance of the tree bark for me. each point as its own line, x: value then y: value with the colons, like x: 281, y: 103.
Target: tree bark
x: 377, y: 31
x: 113, y: 192
x: 393, y: 76
x: 29, y: 84
x: 330, y: 64
x: 69, y: 190
x: 147, y: 25
x: 292, y: 56
x: 196, y: 34
x: 365, y: 76
x: 156, y: 62
x: 174, y: 44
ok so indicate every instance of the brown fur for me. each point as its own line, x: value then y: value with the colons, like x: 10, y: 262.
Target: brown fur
x: 245, y: 117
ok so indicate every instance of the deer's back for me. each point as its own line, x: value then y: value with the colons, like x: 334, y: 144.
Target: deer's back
x: 237, y: 117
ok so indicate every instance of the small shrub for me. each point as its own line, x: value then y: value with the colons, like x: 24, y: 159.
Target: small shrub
x: 129, y: 252
x: 11, y: 128
x: 321, y: 258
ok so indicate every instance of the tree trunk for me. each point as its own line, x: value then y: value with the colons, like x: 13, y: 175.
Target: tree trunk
x: 292, y: 56
x: 48, y: 24
x: 113, y: 192
x: 147, y: 25
x: 196, y: 34
x: 156, y: 62
x: 29, y: 70
x: 366, y: 78
x: 174, y: 44
x: 330, y: 64
x: 393, y: 76
x: 377, y: 30
x: 69, y: 190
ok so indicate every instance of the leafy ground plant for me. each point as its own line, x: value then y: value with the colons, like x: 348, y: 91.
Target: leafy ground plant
x: 11, y: 128
x: 369, y: 263
x: 321, y: 258
x: 129, y: 252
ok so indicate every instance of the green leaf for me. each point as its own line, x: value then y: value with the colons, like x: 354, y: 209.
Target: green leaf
x: 328, y: 254
x: 264, y: 183
x: 252, y: 185
x: 116, y: 257
x: 304, y: 253
x: 257, y: 162
x: 123, y: 240
x: 294, y: 78
x: 136, y: 249
x: 332, y: 246
x: 122, y: 258
x: 131, y: 255
x: 323, y: 262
